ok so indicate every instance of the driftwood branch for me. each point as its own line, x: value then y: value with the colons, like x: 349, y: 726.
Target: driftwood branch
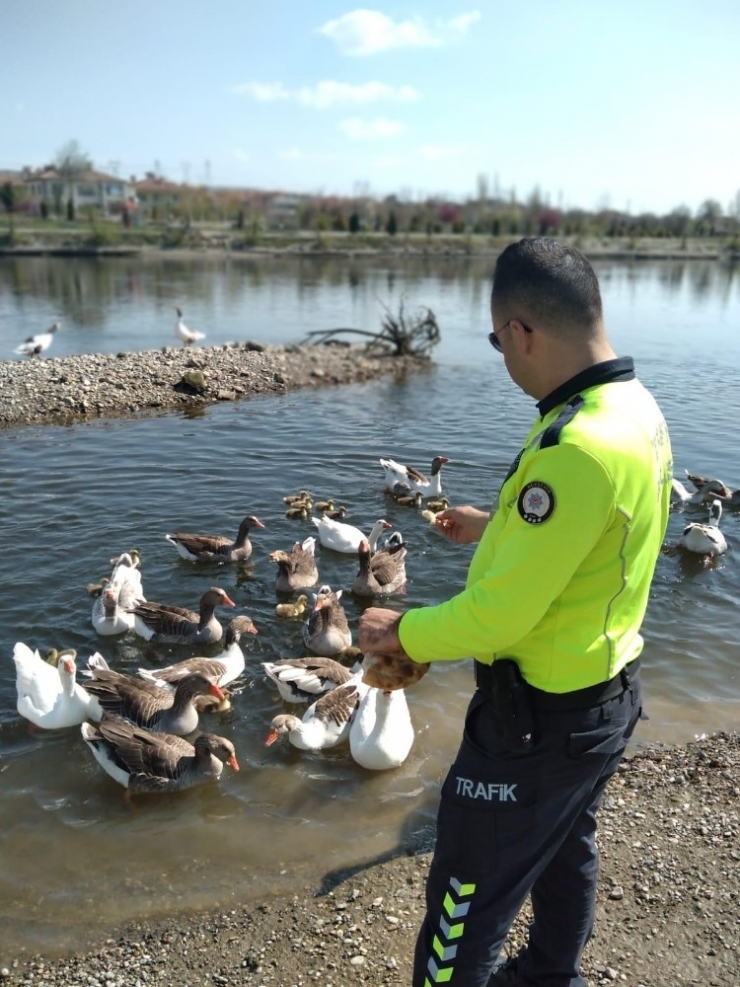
x: 400, y: 335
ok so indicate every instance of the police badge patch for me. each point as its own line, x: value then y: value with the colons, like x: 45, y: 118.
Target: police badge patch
x: 536, y: 502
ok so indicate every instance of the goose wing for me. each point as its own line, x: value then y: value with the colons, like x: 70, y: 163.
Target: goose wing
x: 339, y: 705
x: 202, y: 544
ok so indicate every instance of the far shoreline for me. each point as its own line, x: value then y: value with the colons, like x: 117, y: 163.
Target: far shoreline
x: 203, y: 241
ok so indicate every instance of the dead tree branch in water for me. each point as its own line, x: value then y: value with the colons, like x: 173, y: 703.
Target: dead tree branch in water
x: 401, y: 335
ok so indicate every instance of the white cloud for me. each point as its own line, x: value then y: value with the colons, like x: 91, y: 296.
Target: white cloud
x: 329, y: 93
x: 264, y: 92
x: 365, y: 32
x: 358, y: 129
x: 440, y: 152
x: 464, y: 21
x: 242, y: 155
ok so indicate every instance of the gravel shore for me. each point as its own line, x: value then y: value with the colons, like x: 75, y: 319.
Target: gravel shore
x: 668, y: 904
x: 94, y: 385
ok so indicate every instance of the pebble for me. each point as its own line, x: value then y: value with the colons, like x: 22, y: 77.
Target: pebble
x: 49, y: 390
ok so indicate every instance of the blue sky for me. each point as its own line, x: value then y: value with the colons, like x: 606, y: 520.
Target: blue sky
x: 632, y: 104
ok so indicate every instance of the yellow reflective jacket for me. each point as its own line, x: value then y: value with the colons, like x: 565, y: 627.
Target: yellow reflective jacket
x: 560, y: 578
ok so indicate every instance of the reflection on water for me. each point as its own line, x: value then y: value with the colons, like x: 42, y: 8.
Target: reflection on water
x: 127, y: 303
x: 74, y: 852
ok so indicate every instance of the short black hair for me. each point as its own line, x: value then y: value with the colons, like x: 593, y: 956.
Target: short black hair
x: 548, y: 282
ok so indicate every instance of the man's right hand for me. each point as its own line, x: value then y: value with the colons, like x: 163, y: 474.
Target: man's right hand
x: 463, y: 525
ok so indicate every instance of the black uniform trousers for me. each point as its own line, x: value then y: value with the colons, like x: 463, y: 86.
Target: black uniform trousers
x: 511, y: 824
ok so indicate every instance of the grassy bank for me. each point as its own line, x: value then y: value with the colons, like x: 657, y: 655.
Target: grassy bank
x: 108, y: 237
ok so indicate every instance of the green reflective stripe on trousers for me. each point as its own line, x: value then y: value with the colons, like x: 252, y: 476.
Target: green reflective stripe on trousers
x: 453, y: 909
x: 464, y: 890
x: 440, y: 975
x: 444, y: 952
x: 451, y: 931
x: 441, y: 945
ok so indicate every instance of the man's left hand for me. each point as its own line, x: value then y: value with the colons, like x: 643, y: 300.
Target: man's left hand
x: 379, y: 631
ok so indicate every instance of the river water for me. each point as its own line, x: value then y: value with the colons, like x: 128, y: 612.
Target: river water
x: 77, y: 857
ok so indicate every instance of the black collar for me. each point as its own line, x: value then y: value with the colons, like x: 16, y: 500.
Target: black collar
x: 621, y: 368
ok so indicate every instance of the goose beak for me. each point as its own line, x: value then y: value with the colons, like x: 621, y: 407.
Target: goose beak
x: 68, y: 665
x: 215, y: 691
x: 233, y: 763
x: 228, y: 602
x: 253, y: 630
x: 272, y: 736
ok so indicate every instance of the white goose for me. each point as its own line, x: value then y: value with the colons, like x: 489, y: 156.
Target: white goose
x: 381, y: 734
x: 188, y: 336
x: 120, y: 594
x: 705, y: 539
x: 325, y: 723
x: 223, y: 669
x: 35, y: 345
x: 685, y: 493
x: 50, y: 697
x: 301, y: 680
x: 428, y: 486
x: 346, y: 538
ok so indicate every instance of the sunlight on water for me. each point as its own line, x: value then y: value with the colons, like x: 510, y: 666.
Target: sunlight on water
x: 71, y: 497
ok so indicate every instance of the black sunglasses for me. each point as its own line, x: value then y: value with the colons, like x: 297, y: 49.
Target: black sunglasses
x: 493, y: 337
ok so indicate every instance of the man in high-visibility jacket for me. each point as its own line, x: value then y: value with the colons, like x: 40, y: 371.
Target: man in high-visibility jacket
x: 555, y: 596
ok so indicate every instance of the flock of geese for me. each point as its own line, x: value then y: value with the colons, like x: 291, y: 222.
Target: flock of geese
x: 140, y: 727
x: 704, y: 538
x: 40, y: 342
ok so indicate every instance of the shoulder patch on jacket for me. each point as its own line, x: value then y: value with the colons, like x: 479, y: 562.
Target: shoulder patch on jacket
x: 551, y: 435
x: 536, y: 502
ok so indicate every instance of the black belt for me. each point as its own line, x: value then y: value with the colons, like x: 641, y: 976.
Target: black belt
x: 592, y: 695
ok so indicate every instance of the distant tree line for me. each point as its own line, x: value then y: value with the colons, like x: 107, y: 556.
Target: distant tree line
x: 253, y: 211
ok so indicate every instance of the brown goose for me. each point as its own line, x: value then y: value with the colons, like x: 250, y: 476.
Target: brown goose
x: 222, y: 669
x: 301, y: 680
x: 156, y: 762
x: 164, y: 624
x: 297, y: 568
x: 327, y: 632
x: 325, y: 723
x: 382, y: 573
x: 151, y: 704
x: 217, y: 548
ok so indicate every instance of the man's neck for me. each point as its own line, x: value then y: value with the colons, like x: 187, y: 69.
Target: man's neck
x: 566, y: 363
